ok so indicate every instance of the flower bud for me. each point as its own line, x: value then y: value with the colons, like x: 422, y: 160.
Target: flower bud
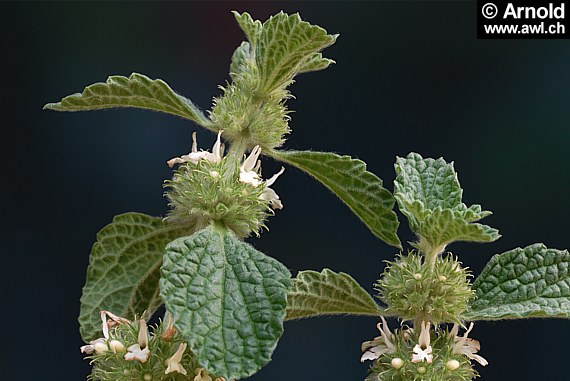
x: 397, y: 363
x: 100, y: 347
x: 452, y: 364
x: 117, y: 347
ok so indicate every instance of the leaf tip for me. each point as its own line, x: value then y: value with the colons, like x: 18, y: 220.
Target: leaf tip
x: 52, y: 106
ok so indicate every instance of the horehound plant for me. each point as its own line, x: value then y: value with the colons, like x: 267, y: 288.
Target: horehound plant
x: 226, y: 302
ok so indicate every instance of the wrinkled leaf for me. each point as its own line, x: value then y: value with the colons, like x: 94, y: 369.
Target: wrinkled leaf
x: 429, y: 194
x: 124, y: 269
x: 240, y: 60
x: 228, y: 300
x: 250, y: 27
x: 328, y: 293
x: 137, y: 91
x: 315, y: 63
x: 523, y: 283
x: 360, y: 190
x: 284, y: 46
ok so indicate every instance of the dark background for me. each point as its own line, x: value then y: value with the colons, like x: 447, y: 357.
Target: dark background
x: 409, y: 77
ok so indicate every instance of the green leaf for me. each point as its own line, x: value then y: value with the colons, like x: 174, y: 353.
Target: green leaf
x: 328, y: 293
x: 315, y: 63
x: 124, y: 269
x: 523, y: 283
x: 429, y: 194
x: 240, y: 59
x: 285, y: 46
x: 250, y: 27
x: 228, y: 300
x: 359, y: 189
x: 136, y: 91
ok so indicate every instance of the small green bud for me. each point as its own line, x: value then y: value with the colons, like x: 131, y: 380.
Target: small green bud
x: 411, y: 288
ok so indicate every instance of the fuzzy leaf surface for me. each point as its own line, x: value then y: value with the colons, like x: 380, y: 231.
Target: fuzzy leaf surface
x: 124, y: 269
x: 315, y: 63
x: 328, y: 293
x: 228, y: 300
x: 285, y: 46
x: 136, y: 91
x: 523, y: 283
x: 250, y: 27
x: 360, y: 190
x: 240, y: 59
x: 429, y: 194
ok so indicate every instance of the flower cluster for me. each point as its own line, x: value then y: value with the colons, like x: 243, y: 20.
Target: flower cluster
x: 411, y: 288
x: 430, y: 355
x: 209, y: 187
x: 128, y: 351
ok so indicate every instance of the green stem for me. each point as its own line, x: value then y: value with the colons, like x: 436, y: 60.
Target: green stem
x: 237, y: 149
x: 431, y: 258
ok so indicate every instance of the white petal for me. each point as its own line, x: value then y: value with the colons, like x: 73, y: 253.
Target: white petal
x: 192, y: 157
x: 422, y: 354
x: 479, y: 359
x: 368, y: 355
x: 174, y: 361
x: 143, y: 334
x: 179, y: 352
x: 250, y: 177
x: 104, y: 324
x: 87, y: 349
x: 424, y: 338
x: 194, y: 142
x: 272, y: 197
x: 270, y: 181
x: 455, y: 330
x: 385, y: 332
x: 251, y: 160
x: 175, y: 367
x: 202, y: 375
x: 217, y: 149
x: 136, y: 353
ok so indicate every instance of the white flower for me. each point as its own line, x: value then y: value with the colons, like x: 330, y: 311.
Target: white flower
x: 114, y: 321
x: 139, y: 351
x: 465, y: 346
x: 195, y: 156
x: 423, y: 350
x: 173, y: 363
x: 248, y: 172
x: 380, y: 345
x: 269, y: 194
x: 202, y: 375
x: 100, y: 345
